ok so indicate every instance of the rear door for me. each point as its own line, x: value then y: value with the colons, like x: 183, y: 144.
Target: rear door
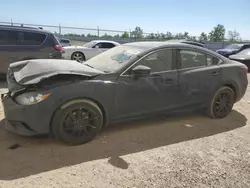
x: 8, y: 48
x: 199, y: 76
x: 31, y: 45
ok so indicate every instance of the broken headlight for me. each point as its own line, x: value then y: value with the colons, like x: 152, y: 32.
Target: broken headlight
x: 31, y: 98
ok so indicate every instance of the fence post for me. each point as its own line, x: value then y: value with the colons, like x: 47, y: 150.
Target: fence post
x: 130, y: 35
x: 98, y: 32
x: 60, y: 30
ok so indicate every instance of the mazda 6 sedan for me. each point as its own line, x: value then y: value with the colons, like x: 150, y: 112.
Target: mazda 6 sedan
x: 74, y: 101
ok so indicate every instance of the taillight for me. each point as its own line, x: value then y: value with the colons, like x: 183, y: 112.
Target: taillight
x: 245, y: 69
x: 59, y: 48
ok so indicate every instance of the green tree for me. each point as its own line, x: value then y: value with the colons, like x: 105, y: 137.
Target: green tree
x: 217, y: 34
x: 179, y: 36
x: 185, y: 35
x: 169, y: 35
x: 125, y: 35
x: 233, y: 36
x: 162, y: 36
x: 203, y: 37
x: 137, y: 33
x: 106, y: 36
x: 150, y: 36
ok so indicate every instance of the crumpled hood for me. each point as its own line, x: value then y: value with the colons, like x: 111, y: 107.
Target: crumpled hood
x: 33, y: 71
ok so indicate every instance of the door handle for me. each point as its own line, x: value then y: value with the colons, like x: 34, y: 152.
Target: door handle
x: 168, y: 80
x: 215, y: 73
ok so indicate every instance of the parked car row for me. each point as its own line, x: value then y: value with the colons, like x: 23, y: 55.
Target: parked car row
x: 237, y: 52
x: 75, y: 100
x: 19, y: 43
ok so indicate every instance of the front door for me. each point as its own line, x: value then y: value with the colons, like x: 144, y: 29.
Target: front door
x: 150, y: 94
x: 199, y: 76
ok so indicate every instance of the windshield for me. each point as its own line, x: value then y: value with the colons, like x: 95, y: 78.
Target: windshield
x: 234, y: 46
x: 89, y: 44
x: 113, y: 59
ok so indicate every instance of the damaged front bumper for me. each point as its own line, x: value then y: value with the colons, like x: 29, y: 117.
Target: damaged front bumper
x: 26, y: 120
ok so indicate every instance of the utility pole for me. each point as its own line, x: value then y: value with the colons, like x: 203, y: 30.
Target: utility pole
x: 98, y: 32
x: 60, y: 30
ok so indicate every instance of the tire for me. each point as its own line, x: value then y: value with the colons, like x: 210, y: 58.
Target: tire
x: 222, y: 103
x: 77, y: 122
x: 78, y: 56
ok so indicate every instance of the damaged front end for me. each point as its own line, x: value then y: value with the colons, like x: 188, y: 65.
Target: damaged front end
x: 33, y: 75
x: 30, y: 83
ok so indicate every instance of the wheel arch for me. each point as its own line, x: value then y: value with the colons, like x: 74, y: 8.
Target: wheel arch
x: 233, y: 86
x: 78, y: 100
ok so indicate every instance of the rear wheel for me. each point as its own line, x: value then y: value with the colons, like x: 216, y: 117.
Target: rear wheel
x: 222, y: 103
x: 77, y: 122
x: 78, y: 56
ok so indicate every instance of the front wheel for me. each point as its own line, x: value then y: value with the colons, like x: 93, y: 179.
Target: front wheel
x: 77, y: 122
x: 222, y: 103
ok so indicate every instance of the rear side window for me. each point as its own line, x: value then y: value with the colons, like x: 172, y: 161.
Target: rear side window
x: 8, y: 37
x: 28, y: 38
x: 104, y: 45
x: 212, y: 60
x: 191, y: 59
x: 64, y: 41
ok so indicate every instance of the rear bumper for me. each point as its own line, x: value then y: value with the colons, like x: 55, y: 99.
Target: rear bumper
x: 242, y: 89
x: 27, y: 120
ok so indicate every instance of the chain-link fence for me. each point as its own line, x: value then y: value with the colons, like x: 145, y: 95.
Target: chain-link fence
x: 88, y: 34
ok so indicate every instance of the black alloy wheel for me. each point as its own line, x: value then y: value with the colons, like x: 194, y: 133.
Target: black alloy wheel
x: 77, y: 122
x: 222, y: 103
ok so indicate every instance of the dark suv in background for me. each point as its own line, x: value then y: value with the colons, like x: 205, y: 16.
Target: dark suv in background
x: 22, y: 43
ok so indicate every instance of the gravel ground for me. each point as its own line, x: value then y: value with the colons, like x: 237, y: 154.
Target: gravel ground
x: 187, y: 151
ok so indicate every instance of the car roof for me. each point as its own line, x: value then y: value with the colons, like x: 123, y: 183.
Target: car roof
x: 105, y: 41
x: 24, y: 28
x: 158, y: 44
x: 150, y: 46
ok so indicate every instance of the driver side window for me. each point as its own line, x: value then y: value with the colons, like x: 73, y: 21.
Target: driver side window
x: 159, y: 61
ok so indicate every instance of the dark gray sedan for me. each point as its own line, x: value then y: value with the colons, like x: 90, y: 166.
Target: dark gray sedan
x: 75, y: 101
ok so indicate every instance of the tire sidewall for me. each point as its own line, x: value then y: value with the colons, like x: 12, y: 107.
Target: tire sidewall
x: 57, y: 122
x: 211, y: 109
x: 83, y: 56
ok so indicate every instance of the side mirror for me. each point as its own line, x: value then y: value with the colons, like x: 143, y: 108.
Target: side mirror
x: 140, y: 71
x: 96, y: 46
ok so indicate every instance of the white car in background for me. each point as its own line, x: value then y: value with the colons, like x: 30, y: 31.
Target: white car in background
x: 88, y: 50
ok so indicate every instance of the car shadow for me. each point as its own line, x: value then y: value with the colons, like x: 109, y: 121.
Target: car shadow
x: 3, y: 84
x: 21, y: 156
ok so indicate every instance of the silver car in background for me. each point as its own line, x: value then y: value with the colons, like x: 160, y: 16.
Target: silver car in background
x: 88, y: 50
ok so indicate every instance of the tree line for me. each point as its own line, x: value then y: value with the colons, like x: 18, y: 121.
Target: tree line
x: 217, y: 34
